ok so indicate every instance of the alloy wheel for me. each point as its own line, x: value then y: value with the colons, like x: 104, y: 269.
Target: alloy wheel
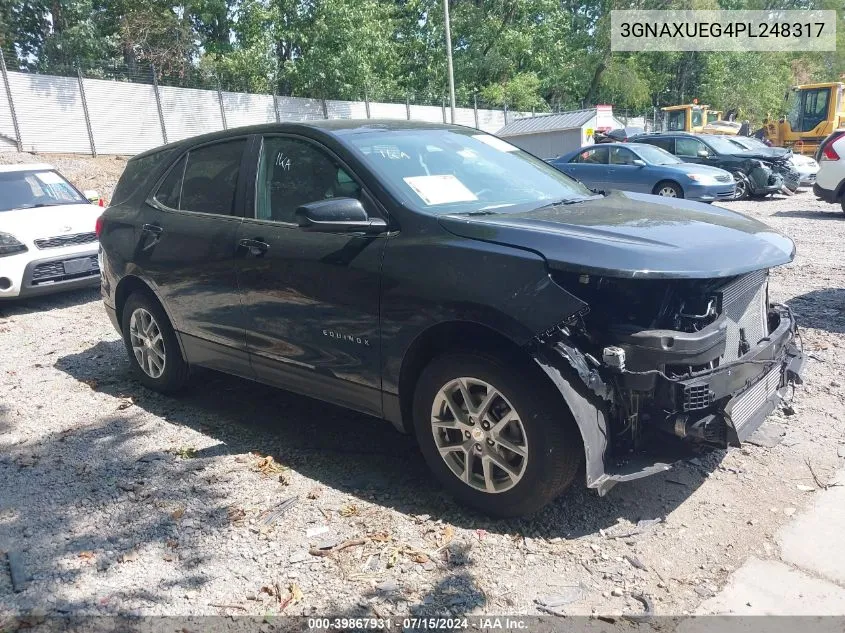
x: 479, y: 435
x: 741, y: 187
x: 667, y: 191
x: 147, y: 343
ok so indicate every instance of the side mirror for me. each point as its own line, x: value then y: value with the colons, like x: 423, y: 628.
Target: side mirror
x: 703, y: 153
x: 338, y: 215
x: 639, y: 162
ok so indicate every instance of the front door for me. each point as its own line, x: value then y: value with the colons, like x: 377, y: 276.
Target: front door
x: 187, y: 247
x: 311, y: 300
x: 625, y: 175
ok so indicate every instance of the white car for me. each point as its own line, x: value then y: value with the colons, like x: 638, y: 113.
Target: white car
x: 830, y: 181
x: 804, y: 165
x: 47, y: 233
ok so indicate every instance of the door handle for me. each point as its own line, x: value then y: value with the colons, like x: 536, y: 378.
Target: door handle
x: 255, y: 247
x: 155, y: 229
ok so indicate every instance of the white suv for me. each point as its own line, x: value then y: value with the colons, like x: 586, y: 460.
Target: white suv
x: 47, y: 233
x: 830, y: 180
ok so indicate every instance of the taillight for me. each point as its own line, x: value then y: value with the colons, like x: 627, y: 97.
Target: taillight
x: 98, y: 226
x: 828, y: 153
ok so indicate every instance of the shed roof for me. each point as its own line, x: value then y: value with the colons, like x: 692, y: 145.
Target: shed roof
x: 547, y: 123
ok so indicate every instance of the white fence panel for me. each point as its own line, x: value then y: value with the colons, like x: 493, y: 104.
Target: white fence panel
x: 491, y: 120
x: 388, y: 110
x: 243, y: 108
x: 50, y: 113
x: 432, y: 114
x: 124, y: 116
x: 189, y: 112
x: 346, y: 109
x: 299, y: 109
x: 7, y: 125
x: 465, y: 116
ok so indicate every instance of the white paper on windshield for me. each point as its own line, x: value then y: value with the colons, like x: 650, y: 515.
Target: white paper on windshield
x: 440, y: 189
x: 49, y: 178
x: 495, y: 143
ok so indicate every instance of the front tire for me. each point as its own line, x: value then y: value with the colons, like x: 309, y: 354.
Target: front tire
x: 152, y: 346
x: 494, y: 434
x: 743, y: 187
x: 668, y: 189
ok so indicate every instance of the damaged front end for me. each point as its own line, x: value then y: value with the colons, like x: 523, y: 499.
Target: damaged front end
x: 657, y: 362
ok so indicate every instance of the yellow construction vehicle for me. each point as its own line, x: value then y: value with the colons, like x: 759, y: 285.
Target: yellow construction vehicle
x: 813, y: 112
x: 689, y: 117
x: 699, y: 119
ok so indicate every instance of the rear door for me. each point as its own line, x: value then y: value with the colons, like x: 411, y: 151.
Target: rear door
x: 590, y: 166
x: 187, y: 246
x: 311, y: 300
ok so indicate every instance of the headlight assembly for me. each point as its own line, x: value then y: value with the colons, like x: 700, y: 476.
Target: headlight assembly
x: 9, y: 245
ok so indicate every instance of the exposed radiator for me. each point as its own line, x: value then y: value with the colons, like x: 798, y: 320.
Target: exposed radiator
x: 744, y: 304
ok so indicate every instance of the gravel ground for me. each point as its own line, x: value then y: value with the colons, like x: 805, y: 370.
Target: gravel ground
x: 119, y: 500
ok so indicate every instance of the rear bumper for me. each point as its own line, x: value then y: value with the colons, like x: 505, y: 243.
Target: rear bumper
x: 827, y: 195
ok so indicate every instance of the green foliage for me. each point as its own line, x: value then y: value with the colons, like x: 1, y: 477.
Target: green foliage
x: 526, y: 54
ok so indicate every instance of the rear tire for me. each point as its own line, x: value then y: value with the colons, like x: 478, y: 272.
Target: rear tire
x: 668, y: 189
x: 521, y: 443
x: 151, y: 343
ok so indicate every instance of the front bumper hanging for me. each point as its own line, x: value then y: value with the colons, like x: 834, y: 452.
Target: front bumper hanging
x: 734, y: 398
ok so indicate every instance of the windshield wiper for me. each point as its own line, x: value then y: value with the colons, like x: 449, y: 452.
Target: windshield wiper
x: 566, y: 201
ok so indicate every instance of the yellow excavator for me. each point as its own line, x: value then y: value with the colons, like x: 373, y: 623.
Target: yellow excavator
x: 698, y: 119
x: 814, y: 111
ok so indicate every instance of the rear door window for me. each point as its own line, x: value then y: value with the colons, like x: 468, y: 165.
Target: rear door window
x: 211, y: 178
x: 663, y: 143
x: 592, y: 156
x: 205, y: 180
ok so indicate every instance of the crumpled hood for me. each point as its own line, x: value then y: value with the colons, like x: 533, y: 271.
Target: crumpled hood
x: 40, y: 222
x: 775, y: 154
x: 629, y: 234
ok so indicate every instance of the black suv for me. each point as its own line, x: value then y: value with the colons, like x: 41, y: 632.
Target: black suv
x: 757, y: 173
x: 466, y: 291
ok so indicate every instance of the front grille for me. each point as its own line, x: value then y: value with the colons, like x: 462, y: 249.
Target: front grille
x: 66, y: 240
x: 747, y: 404
x: 728, y: 195
x: 697, y: 397
x: 744, y: 305
x: 724, y: 178
x: 52, y: 272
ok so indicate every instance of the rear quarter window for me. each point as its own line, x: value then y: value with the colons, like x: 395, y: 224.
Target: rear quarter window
x: 137, y: 173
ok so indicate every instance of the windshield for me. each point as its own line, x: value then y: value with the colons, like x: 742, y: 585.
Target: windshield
x: 723, y: 146
x: 36, y: 188
x: 655, y: 155
x: 748, y: 142
x: 456, y: 171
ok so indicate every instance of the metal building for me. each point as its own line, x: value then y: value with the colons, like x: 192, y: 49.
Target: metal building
x: 550, y: 135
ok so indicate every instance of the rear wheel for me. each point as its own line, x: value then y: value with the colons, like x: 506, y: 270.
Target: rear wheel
x: 151, y: 343
x: 497, y: 440
x: 668, y: 189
